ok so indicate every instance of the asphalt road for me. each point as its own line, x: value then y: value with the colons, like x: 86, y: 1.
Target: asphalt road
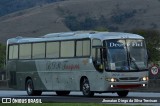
x: 143, y: 98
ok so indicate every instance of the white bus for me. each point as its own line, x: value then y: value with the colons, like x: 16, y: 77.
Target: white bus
x: 87, y: 61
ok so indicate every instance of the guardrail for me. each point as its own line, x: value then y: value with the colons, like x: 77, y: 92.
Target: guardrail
x: 3, y: 80
x: 3, y: 83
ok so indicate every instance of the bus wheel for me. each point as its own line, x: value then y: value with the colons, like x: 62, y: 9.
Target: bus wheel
x: 122, y: 93
x: 86, y: 88
x: 62, y: 93
x: 30, y: 89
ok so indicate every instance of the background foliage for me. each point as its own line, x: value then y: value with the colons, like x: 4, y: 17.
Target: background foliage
x: 88, y: 23
x: 9, y: 6
x: 152, y: 38
x: 2, y: 55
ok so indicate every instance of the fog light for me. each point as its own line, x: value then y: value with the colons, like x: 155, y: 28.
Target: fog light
x: 144, y: 85
x: 111, y: 86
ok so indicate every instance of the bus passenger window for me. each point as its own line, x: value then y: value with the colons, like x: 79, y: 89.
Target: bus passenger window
x: 13, y: 52
x: 52, y: 49
x: 86, y: 48
x: 83, y: 48
x: 38, y: 50
x: 79, y: 48
x: 25, y: 51
x: 67, y: 49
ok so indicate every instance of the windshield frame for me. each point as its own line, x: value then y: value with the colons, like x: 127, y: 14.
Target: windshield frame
x: 129, y: 60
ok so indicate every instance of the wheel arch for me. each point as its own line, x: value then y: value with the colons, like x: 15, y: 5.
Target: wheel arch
x: 27, y: 78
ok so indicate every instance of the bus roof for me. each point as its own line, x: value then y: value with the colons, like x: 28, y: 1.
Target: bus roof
x: 75, y: 35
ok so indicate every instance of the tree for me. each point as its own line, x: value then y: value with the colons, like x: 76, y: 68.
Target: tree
x: 2, y: 55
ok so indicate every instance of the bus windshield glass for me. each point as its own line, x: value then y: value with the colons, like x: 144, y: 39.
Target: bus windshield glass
x: 126, y: 54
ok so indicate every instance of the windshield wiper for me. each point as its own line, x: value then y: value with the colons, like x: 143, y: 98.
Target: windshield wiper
x: 133, y: 61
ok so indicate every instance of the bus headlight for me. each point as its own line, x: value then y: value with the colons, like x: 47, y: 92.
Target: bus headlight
x: 144, y: 79
x: 111, y: 79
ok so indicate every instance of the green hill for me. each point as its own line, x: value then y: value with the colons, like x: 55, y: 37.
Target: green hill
x: 113, y: 15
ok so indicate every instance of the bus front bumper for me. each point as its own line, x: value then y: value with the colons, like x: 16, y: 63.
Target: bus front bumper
x: 127, y: 85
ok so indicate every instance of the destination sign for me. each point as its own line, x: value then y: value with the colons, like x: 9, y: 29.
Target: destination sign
x: 121, y: 45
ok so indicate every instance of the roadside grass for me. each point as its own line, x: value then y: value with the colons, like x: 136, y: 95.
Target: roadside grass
x: 67, y: 104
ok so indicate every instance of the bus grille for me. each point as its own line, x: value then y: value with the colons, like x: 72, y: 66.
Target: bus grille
x: 128, y: 86
x: 129, y: 78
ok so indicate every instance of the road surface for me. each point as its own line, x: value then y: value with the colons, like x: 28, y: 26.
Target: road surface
x: 144, y: 98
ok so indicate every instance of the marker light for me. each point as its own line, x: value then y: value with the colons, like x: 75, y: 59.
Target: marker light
x: 111, y: 86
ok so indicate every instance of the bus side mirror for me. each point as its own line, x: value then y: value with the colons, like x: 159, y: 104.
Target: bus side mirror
x: 101, y: 66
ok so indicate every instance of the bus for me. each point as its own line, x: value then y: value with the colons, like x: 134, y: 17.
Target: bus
x: 87, y: 61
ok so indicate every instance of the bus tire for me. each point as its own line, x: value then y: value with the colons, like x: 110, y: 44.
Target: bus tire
x: 123, y: 93
x: 86, y: 88
x: 30, y: 89
x: 62, y: 93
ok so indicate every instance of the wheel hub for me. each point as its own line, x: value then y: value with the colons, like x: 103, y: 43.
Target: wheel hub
x: 86, y: 87
x: 29, y: 88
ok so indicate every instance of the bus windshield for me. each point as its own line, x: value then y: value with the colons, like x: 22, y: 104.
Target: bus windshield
x: 126, y: 54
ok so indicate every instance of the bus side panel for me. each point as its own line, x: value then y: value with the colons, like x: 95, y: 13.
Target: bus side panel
x: 54, y: 76
x: 11, y: 68
x: 64, y: 74
x: 27, y: 70
x: 97, y: 81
